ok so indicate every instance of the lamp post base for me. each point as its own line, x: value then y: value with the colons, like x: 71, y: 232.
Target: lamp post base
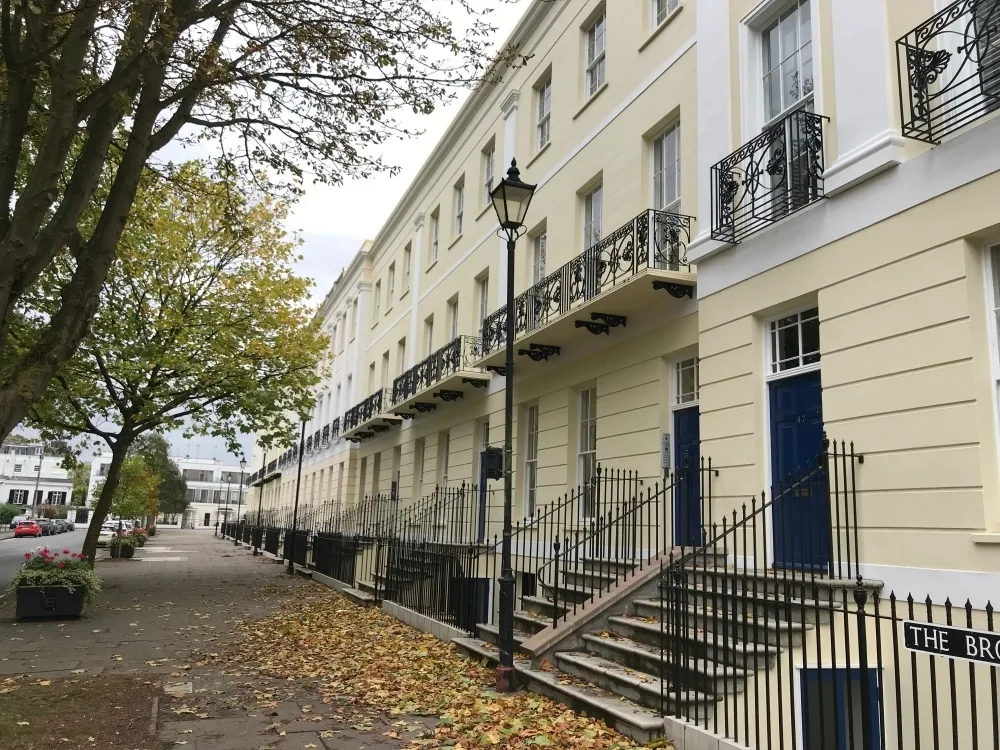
x: 506, y: 679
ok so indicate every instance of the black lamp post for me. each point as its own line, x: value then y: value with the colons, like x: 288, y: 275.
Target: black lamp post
x: 239, y: 500
x: 510, y: 199
x: 295, y: 512
x: 258, y: 533
x: 218, y: 505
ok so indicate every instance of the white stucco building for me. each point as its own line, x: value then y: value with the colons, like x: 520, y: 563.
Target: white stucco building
x: 30, y: 476
x: 213, y: 489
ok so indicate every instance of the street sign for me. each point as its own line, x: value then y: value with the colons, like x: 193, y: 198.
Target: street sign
x: 956, y: 643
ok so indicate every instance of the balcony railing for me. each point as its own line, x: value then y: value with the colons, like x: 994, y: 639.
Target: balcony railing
x: 370, y: 408
x: 653, y: 239
x: 772, y: 176
x: 949, y: 70
x: 457, y: 355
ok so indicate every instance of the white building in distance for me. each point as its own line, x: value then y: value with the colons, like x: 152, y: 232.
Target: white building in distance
x: 30, y: 476
x: 213, y: 489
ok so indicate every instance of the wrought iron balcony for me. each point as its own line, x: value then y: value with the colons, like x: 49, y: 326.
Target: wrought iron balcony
x: 326, y: 434
x: 652, y: 240
x: 772, y: 176
x: 458, y: 355
x: 367, y: 410
x: 949, y: 70
x: 309, y: 445
x: 335, y: 429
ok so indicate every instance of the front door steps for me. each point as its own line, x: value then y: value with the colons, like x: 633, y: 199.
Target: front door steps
x: 739, y: 623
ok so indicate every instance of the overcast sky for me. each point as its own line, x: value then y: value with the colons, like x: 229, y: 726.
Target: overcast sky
x: 333, y: 222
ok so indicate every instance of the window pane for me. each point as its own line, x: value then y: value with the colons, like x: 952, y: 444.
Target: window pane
x: 788, y: 347
x: 807, y: 72
x: 788, y: 34
x: 772, y: 95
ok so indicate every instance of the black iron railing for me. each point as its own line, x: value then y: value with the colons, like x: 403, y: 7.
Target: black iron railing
x: 769, y: 178
x: 653, y: 239
x: 949, y: 70
x: 458, y: 355
x: 368, y: 409
x: 738, y: 616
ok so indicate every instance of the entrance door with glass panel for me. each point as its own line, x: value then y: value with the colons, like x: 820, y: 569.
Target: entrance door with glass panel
x: 687, y: 510
x: 800, y: 517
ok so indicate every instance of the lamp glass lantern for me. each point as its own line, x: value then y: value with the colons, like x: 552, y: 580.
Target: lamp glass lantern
x: 511, y: 199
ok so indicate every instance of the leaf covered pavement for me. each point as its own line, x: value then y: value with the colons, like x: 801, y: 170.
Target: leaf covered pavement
x: 366, y: 660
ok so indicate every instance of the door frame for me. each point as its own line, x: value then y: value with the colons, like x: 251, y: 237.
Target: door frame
x: 765, y: 395
x: 673, y: 407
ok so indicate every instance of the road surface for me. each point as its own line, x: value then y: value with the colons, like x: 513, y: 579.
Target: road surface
x: 12, y: 550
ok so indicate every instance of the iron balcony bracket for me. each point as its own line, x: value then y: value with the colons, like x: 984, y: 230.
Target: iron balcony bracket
x: 612, y: 320
x: 595, y: 328
x: 380, y: 428
x: 423, y: 407
x: 498, y: 369
x: 538, y: 352
x: 674, y: 290
x: 449, y: 395
x: 475, y: 382
x: 403, y: 415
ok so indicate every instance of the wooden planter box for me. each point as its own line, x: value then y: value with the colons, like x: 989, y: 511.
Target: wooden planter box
x: 49, y: 601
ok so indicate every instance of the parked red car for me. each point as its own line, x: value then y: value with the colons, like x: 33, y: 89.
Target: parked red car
x: 28, y: 528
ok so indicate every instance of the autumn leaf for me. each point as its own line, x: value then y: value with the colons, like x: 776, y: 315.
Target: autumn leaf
x: 366, y: 661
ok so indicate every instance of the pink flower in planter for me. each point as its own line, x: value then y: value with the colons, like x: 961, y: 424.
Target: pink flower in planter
x: 65, y: 551
x: 62, y: 565
x: 27, y: 555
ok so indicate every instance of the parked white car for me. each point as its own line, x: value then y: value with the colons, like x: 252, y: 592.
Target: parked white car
x: 108, y: 531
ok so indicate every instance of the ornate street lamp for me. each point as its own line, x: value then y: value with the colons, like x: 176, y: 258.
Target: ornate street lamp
x: 239, y: 500
x: 511, y: 199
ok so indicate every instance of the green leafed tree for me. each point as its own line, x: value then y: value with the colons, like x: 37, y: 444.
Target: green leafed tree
x: 134, y: 495
x: 203, y: 326
x: 92, y: 91
x: 172, y: 493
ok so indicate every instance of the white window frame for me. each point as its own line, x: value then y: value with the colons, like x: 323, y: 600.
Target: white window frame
x: 452, y: 318
x: 429, y: 334
x: 390, y: 286
x: 17, y: 468
x: 543, y: 126
x: 752, y: 64
x: 771, y: 327
x: 660, y: 169
x: 407, y: 262
x: 991, y: 269
x: 489, y: 173
x: 401, y: 356
x: 385, y: 372
x: 377, y: 306
x: 593, y: 216
x: 662, y: 10
x: 587, y: 441
x: 444, y: 458
x: 482, y: 300
x: 435, y: 234
x: 680, y: 367
x: 597, y: 45
x: 19, y: 497
x: 419, y: 449
x: 530, y: 460
x: 459, y: 198
x: 538, y: 247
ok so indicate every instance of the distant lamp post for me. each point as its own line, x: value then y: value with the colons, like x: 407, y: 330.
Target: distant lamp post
x: 239, y: 500
x: 295, y: 511
x: 510, y: 199
x: 257, y: 533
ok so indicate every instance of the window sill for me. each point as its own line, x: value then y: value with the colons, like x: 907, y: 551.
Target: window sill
x: 387, y: 310
x: 428, y: 269
x: 482, y: 213
x: 538, y: 153
x: 404, y: 293
x: 591, y: 99
x: 662, y: 25
x: 455, y: 242
x: 986, y: 538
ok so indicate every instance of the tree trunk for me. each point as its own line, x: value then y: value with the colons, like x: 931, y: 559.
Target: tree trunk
x: 119, y: 452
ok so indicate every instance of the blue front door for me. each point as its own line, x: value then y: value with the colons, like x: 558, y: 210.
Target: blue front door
x: 800, y: 518
x: 687, y: 468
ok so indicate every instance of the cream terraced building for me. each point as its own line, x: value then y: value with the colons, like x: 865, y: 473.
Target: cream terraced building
x: 756, y: 223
